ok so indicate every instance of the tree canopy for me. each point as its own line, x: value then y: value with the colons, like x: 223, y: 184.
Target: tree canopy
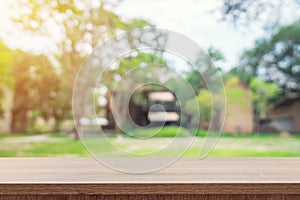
x: 43, y: 83
x: 244, y: 12
x: 276, y: 59
x: 6, y: 59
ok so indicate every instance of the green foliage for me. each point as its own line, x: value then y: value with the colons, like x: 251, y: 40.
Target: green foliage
x: 215, y: 54
x: 235, y: 94
x: 204, y: 133
x: 35, y: 84
x: 131, y: 62
x: 261, y: 93
x: 128, y: 63
x: 195, y: 80
x: 6, y: 59
x: 276, y: 59
x: 137, y: 23
x: 239, y: 72
x: 194, y: 77
x: 81, y: 26
x: 167, y: 131
x: 204, y: 102
x: 246, y: 11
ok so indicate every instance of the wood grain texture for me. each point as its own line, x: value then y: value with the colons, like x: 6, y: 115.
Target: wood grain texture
x: 144, y: 188
x: 152, y: 197
x: 211, y: 178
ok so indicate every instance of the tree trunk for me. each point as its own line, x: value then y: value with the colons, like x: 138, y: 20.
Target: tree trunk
x: 19, y: 118
x: 76, y: 133
x: 19, y: 121
x: 57, y: 125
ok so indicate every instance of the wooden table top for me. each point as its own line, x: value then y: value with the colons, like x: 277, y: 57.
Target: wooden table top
x: 210, y: 175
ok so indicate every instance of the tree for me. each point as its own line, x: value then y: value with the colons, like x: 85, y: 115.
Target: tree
x: 262, y: 93
x: 120, y: 90
x: 276, y: 59
x: 81, y: 25
x: 6, y: 59
x: 240, y: 73
x: 35, y: 84
x: 194, y: 77
x: 234, y: 95
x: 204, y: 103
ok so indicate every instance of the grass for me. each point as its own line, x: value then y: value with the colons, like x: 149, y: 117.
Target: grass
x: 58, y: 145
x: 43, y: 145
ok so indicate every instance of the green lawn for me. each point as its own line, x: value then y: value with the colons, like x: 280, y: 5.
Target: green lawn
x: 58, y: 145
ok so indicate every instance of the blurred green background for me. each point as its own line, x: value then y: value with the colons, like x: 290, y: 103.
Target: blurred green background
x: 36, y: 81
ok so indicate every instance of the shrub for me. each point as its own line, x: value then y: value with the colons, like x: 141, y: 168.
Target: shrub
x: 167, y: 131
x: 203, y: 133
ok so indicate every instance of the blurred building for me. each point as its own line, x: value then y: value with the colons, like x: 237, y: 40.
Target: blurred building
x: 154, y: 107
x: 161, y: 109
x: 239, y: 114
x: 285, y: 116
x: 157, y: 107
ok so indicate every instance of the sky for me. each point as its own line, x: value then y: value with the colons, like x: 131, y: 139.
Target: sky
x: 193, y: 18
x: 196, y: 19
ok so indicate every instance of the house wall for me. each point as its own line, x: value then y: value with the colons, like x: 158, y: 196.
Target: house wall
x: 239, y: 119
x: 295, y: 110
x: 282, y: 110
x: 282, y: 123
x: 239, y: 116
x: 291, y: 111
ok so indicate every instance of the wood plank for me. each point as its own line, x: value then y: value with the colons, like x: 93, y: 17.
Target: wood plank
x: 77, y: 176
x: 144, y: 188
x: 153, y: 197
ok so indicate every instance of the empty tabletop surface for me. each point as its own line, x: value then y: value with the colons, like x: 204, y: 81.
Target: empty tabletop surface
x: 209, y: 170
x: 210, y: 176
